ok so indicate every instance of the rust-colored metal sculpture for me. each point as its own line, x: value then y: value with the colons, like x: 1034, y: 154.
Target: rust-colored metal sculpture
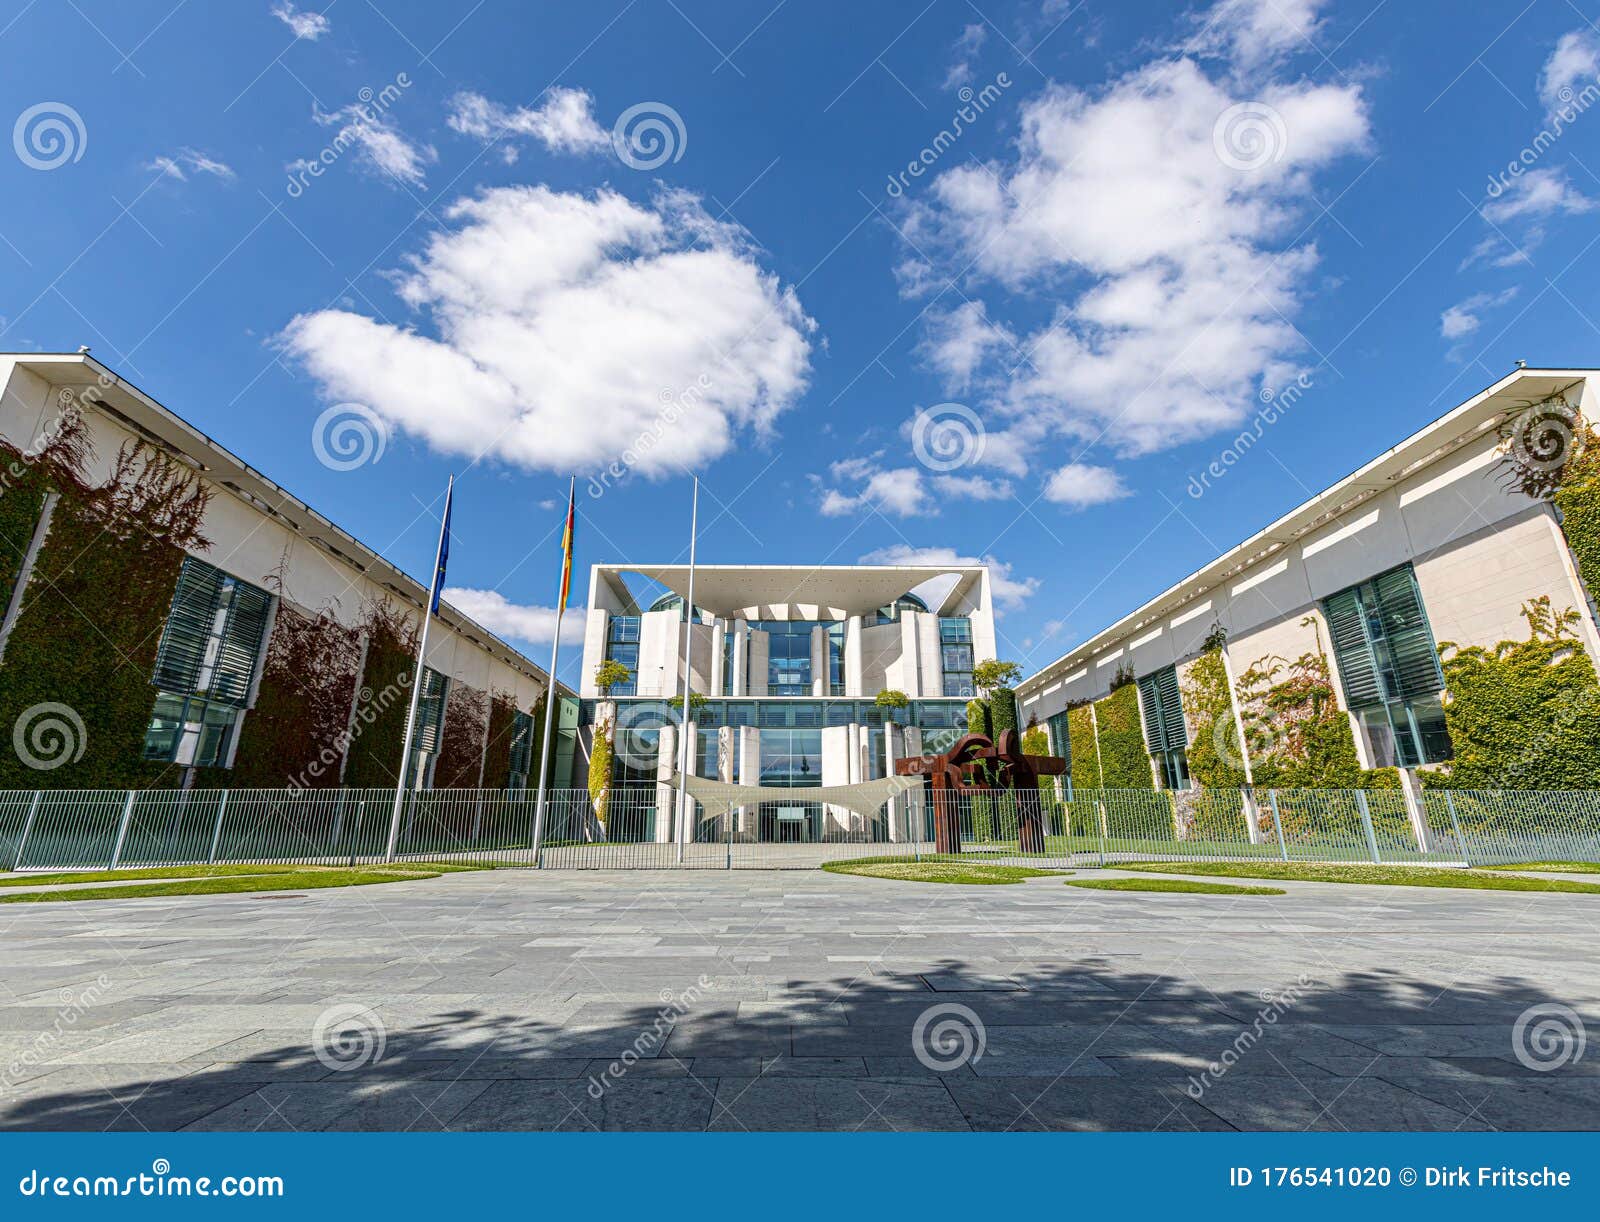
x: 1002, y: 766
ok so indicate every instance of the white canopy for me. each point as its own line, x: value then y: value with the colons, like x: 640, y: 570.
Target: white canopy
x: 866, y: 798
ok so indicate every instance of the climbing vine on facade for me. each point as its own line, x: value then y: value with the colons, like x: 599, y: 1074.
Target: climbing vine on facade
x: 378, y: 726
x: 1523, y: 714
x: 1215, y: 761
x: 1121, y: 740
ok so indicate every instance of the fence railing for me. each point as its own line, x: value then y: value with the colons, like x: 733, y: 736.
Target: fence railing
x: 639, y: 828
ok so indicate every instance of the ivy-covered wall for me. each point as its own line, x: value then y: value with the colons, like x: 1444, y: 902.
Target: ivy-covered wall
x: 460, y: 764
x: 295, y: 734
x: 1215, y: 761
x: 1523, y: 714
x: 497, y: 754
x: 90, y: 623
x: 1122, y: 751
x: 378, y: 729
x: 1298, y: 734
x: 1080, y: 736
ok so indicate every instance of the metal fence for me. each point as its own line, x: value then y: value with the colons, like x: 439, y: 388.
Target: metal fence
x: 638, y: 828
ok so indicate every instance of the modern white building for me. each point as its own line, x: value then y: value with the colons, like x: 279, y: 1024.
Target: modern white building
x: 274, y: 569
x: 1429, y: 542
x: 785, y: 663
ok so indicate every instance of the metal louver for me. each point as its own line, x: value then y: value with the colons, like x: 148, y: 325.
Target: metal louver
x: 1163, y: 710
x: 1382, y: 641
x: 213, y: 636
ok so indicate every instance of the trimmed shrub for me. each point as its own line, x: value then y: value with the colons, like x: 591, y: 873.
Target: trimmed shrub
x: 1215, y: 759
x: 1085, y: 759
x: 1122, y: 749
x: 1003, y: 712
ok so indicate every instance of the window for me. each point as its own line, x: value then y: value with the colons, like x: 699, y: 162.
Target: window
x: 1061, y: 743
x: 622, y: 645
x: 789, y: 655
x: 955, y: 655
x: 1389, y: 669
x: 521, y: 750
x: 1165, y: 734
x: 206, y: 665
x: 430, y: 722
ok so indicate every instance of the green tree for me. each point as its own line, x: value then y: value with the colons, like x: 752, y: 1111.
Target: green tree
x: 891, y: 700
x: 990, y: 675
x: 610, y: 673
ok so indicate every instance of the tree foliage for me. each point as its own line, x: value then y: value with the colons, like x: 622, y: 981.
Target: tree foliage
x: 991, y: 674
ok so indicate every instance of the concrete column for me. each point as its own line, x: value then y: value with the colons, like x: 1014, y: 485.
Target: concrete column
x: 836, y: 771
x: 854, y: 685
x: 741, y: 654
x: 748, y: 822
x: 911, y: 802
x: 719, y: 654
x: 727, y: 754
x: 910, y: 670
x: 893, y: 749
x: 756, y: 676
x: 1416, y: 809
x: 819, y: 662
x: 666, y: 793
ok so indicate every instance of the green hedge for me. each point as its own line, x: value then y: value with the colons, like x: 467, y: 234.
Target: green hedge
x: 1003, y: 713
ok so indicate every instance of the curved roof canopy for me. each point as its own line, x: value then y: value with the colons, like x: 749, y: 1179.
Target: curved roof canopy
x: 770, y: 591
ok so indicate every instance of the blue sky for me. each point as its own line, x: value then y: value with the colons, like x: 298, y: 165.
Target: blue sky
x: 1134, y: 228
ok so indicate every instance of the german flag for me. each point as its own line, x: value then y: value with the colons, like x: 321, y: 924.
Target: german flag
x: 566, y: 546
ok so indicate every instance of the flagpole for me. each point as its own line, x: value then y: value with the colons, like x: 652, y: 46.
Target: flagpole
x: 550, y: 697
x: 688, y: 642
x: 417, y: 679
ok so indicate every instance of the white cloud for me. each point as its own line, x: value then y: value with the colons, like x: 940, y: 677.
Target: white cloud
x: 1572, y: 66
x: 899, y: 490
x: 1538, y: 193
x: 306, y: 25
x: 1177, y: 272
x: 1497, y: 251
x: 966, y: 49
x: 1080, y: 485
x: 574, y: 331
x: 973, y: 487
x: 535, y: 625
x: 378, y: 142
x: 188, y: 161
x: 958, y: 341
x: 1462, y: 318
x: 1250, y: 33
x: 1009, y: 592
x: 564, y: 122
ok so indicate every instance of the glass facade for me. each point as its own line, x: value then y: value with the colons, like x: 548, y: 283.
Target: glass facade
x: 789, y: 656
x: 622, y: 645
x: 955, y: 655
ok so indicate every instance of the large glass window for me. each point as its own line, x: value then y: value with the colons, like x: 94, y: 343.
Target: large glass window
x: 1389, y: 668
x: 1165, y: 734
x: 789, y: 655
x: 622, y: 645
x: 955, y: 655
x: 791, y: 757
x: 206, y: 665
x: 1061, y: 744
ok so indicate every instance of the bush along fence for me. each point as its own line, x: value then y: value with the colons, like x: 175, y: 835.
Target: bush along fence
x: 636, y: 827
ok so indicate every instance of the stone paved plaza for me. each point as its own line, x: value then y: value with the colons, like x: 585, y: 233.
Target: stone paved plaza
x: 766, y: 1000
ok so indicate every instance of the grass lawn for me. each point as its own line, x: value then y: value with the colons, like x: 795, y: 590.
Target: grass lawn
x: 1556, y: 867
x: 1187, y: 885
x: 900, y: 869
x: 236, y: 880
x: 1392, y: 876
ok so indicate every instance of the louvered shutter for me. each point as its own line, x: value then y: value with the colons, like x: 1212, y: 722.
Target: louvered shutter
x: 180, y: 659
x: 1358, y: 672
x: 239, y: 648
x: 430, y: 710
x: 1405, y: 627
x: 1163, y: 710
